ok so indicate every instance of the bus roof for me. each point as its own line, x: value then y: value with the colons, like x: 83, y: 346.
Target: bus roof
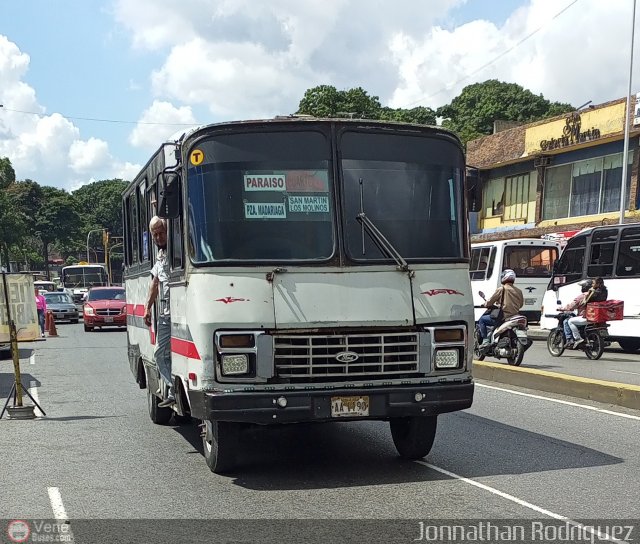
x: 540, y: 242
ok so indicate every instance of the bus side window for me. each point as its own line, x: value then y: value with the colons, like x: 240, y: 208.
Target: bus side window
x: 603, y: 248
x: 629, y: 253
x: 571, y: 264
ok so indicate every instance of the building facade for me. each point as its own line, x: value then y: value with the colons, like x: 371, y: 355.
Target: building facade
x: 557, y: 175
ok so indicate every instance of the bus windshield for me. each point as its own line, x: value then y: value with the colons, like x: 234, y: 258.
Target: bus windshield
x: 410, y: 187
x: 530, y: 261
x: 270, y: 196
x: 83, y: 276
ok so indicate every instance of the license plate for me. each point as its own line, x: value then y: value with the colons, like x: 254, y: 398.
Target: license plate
x: 108, y: 319
x: 529, y: 301
x: 521, y: 334
x: 349, y: 406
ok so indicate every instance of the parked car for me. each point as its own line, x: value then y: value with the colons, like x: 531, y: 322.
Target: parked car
x: 105, y: 307
x: 62, y: 307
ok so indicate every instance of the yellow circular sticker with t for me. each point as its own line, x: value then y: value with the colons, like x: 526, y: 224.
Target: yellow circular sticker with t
x: 196, y: 157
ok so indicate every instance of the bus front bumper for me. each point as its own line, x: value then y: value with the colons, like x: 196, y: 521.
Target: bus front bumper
x: 265, y: 408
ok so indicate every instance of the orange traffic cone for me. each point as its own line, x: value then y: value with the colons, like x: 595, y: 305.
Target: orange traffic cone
x: 51, y: 329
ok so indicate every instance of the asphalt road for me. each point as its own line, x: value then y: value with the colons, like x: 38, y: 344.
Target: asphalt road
x: 615, y: 365
x: 516, y: 454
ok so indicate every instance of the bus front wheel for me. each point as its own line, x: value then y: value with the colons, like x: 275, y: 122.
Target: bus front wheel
x: 220, y: 444
x: 413, y: 436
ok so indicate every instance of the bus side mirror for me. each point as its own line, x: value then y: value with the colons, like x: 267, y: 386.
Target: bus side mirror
x: 169, y: 195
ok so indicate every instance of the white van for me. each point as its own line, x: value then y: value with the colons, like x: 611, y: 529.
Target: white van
x: 532, y: 260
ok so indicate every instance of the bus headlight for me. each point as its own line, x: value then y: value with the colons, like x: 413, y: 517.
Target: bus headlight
x: 447, y: 358
x: 234, y: 364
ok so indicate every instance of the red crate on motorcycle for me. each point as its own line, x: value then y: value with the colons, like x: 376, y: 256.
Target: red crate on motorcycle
x: 610, y: 310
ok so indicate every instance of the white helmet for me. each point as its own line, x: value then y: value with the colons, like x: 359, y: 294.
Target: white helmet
x: 508, y: 275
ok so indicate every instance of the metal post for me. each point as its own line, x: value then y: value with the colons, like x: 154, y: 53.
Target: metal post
x: 625, y: 152
x: 13, y: 335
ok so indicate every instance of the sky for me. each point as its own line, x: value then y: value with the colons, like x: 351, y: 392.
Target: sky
x: 90, y: 89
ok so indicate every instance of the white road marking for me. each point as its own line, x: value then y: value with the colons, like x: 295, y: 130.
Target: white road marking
x: 625, y: 372
x: 32, y: 359
x: 33, y: 391
x: 56, y: 504
x: 530, y: 506
x: 559, y: 401
x: 60, y: 513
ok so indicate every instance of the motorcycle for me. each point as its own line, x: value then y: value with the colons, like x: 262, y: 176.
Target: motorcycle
x: 595, y: 336
x: 509, y: 339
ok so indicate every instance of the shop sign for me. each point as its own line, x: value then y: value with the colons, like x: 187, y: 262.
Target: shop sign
x: 571, y: 134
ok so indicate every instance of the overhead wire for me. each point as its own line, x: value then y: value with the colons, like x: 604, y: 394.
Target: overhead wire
x: 517, y: 44
x: 118, y: 121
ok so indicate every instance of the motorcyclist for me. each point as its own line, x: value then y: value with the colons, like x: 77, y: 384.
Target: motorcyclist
x: 513, y: 301
x: 571, y: 332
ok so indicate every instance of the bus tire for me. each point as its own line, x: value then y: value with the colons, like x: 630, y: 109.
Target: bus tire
x: 220, y: 444
x: 160, y: 416
x: 413, y: 436
x: 629, y: 345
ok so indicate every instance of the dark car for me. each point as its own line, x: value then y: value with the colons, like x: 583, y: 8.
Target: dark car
x: 62, y: 307
x: 105, y: 307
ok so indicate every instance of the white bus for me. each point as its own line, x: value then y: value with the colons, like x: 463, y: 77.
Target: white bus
x: 532, y: 260
x: 77, y: 279
x: 611, y: 252
x: 319, y: 272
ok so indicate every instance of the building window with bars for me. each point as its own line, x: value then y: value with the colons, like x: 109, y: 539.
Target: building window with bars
x: 516, y: 197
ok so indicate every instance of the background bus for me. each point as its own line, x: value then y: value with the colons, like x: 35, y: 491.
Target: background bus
x: 532, y: 260
x: 613, y: 253
x: 77, y: 279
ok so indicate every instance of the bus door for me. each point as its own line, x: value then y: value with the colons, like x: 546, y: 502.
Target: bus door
x: 482, y: 274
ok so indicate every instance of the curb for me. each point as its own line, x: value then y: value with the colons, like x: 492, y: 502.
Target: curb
x: 620, y: 394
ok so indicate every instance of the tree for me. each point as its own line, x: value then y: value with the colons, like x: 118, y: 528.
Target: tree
x: 100, y: 205
x: 327, y: 101
x: 11, y: 220
x: 7, y: 173
x: 471, y: 114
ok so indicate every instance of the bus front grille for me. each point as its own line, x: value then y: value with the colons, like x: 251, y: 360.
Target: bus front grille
x: 347, y: 357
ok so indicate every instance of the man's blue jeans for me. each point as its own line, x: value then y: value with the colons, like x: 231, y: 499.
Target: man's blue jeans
x: 163, y: 351
x: 484, y: 322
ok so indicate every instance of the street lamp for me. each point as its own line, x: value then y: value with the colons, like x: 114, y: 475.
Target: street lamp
x: 89, y: 234
x: 627, y: 112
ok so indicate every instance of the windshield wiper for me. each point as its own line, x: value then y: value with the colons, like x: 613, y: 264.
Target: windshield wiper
x: 381, y: 242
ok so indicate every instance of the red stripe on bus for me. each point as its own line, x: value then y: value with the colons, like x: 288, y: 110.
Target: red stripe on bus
x: 153, y: 337
x: 135, y: 309
x: 184, y: 347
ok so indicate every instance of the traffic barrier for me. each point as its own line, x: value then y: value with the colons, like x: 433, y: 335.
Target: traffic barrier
x: 620, y: 394
x: 52, y: 325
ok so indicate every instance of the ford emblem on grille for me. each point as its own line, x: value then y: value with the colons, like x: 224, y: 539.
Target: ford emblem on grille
x: 347, y: 357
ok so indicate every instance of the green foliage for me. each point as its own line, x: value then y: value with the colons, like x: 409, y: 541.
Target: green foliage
x: 100, y: 205
x: 7, y: 173
x: 327, y: 101
x: 471, y: 114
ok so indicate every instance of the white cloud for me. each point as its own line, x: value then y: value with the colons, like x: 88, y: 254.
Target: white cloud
x: 148, y: 135
x: 580, y: 55
x: 242, y: 58
x: 45, y: 148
